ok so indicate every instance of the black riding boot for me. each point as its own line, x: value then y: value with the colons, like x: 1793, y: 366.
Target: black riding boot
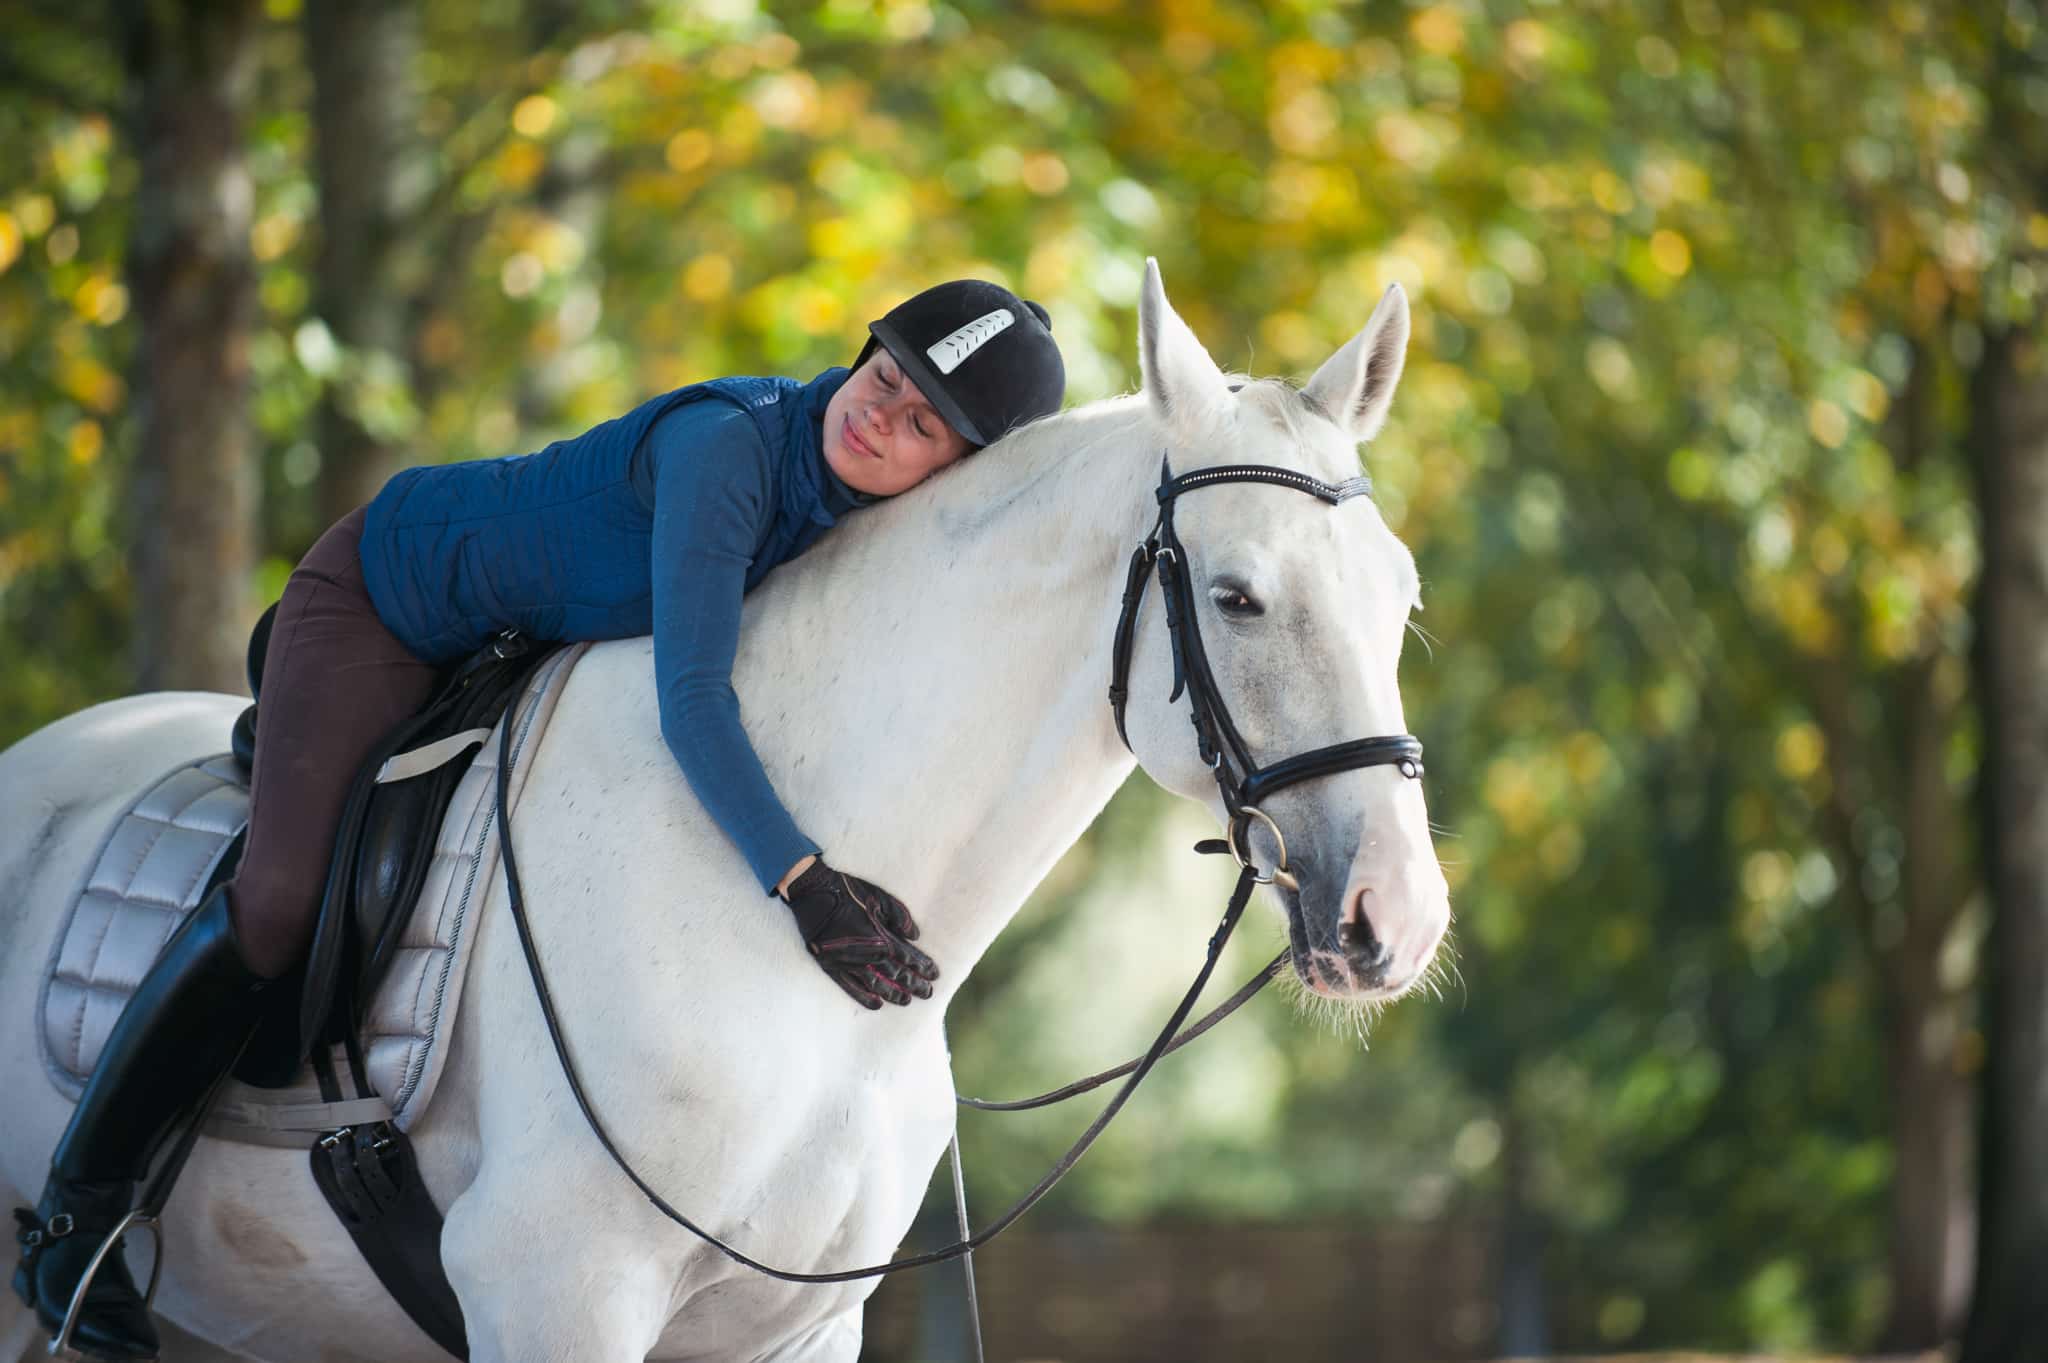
x: 182, y: 1029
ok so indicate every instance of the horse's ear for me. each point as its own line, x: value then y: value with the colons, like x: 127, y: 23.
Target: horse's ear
x: 1355, y: 385
x: 1187, y: 390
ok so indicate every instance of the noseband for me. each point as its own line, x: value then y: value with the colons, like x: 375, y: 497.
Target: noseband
x: 1241, y: 780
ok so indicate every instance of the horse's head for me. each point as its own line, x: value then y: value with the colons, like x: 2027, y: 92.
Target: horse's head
x: 1301, y: 603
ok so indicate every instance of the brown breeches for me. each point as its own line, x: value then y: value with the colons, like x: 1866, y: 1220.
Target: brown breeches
x: 334, y: 682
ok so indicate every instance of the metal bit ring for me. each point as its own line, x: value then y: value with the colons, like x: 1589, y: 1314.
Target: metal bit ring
x: 1280, y: 876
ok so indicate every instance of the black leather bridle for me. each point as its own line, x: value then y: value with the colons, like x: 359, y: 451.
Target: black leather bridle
x: 1241, y: 780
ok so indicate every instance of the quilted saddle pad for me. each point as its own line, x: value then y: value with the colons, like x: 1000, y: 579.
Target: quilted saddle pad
x: 153, y: 869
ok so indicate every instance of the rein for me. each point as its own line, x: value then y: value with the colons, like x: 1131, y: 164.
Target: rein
x: 1220, y: 745
x: 959, y: 1249
x: 1096, y: 1081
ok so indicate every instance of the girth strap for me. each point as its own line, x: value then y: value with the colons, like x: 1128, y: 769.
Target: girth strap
x: 371, y: 1180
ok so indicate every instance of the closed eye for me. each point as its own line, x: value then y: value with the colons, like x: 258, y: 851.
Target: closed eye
x: 892, y: 381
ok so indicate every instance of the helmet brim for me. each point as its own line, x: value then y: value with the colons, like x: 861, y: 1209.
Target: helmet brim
x: 920, y: 372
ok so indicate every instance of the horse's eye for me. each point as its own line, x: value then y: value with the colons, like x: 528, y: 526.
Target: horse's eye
x: 1234, y: 601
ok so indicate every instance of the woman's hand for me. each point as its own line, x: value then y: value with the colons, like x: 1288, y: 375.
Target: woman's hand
x: 782, y: 886
x: 860, y: 935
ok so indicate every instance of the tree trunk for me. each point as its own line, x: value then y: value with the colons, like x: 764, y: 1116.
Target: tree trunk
x: 1902, y: 767
x: 365, y: 114
x: 1524, y: 1328
x: 190, y: 64
x: 2009, y: 449
x: 569, y: 192
x: 1932, y: 1218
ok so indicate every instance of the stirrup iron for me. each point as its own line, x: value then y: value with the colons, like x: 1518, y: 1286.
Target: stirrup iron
x: 139, y: 1219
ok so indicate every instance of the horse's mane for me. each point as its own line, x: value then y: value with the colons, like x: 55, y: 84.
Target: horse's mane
x: 990, y: 480
x: 1118, y: 430
x: 1063, y: 495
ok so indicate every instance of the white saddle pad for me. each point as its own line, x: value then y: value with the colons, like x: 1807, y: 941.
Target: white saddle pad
x: 157, y: 860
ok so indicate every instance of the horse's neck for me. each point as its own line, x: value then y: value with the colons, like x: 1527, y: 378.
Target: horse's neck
x: 957, y: 642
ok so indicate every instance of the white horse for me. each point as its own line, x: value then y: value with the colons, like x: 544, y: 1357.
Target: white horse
x: 926, y: 689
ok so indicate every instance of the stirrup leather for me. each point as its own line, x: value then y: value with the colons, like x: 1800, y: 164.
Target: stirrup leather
x: 33, y: 1235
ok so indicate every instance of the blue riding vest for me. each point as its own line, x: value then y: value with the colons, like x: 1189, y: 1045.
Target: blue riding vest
x: 563, y: 544
x: 559, y: 543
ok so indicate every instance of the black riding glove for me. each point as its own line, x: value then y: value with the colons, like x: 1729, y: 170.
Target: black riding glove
x: 860, y: 935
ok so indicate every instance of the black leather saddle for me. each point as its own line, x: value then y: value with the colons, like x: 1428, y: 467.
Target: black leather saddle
x: 382, y: 852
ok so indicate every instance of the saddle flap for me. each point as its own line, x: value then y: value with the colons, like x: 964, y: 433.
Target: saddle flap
x: 387, y: 838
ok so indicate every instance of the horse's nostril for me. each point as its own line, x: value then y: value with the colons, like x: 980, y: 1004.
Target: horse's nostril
x: 1361, y: 944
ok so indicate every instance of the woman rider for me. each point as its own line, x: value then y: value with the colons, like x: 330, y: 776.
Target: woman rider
x: 655, y: 522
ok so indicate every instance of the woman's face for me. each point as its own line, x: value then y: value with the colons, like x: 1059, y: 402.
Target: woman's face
x: 881, y: 436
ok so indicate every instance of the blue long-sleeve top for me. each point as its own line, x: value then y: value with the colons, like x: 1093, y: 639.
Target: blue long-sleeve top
x: 657, y: 522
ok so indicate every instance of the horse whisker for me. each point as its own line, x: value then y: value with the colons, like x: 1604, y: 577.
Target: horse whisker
x: 1428, y: 642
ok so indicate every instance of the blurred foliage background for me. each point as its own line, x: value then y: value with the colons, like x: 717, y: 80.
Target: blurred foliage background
x: 1701, y: 288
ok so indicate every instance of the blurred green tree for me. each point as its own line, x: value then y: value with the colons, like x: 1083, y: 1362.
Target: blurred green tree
x: 2006, y: 425
x: 1711, y: 300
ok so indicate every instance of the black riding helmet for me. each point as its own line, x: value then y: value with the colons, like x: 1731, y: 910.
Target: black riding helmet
x: 980, y: 354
